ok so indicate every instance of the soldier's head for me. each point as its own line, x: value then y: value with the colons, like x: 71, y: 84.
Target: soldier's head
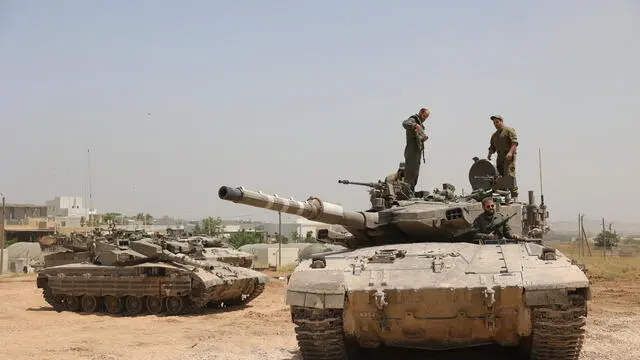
x: 424, y: 113
x: 498, y: 121
x: 488, y: 206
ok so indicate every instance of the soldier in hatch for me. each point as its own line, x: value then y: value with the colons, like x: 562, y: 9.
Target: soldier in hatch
x: 504, y: 142
x: 484, y: 226
x: 414, y: 129
x: 396, y: 176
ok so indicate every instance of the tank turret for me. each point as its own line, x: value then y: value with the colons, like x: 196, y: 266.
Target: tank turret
x: 412, y: 220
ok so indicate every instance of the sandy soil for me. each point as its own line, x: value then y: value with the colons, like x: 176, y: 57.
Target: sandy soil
x: 30, y: 329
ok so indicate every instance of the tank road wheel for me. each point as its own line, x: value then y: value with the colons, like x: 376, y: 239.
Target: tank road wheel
x: 134, y: 305
x: 89, y: 303
x: 72, y: 302
x: 558, y: 332
x: 154, y: 304
x: 320, y: 334
x: 56, y: 301
x: 175, y: 305
x: 113, y: 305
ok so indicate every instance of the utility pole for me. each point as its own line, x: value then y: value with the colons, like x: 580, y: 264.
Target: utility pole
x: 604, y: 240
x: 579, y: 235
x: 279, y: 239
x: 2, y: 232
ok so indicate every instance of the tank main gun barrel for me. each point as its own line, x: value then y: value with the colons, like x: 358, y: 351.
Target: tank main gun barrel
x: 184, y: 259
x: 313, y: 208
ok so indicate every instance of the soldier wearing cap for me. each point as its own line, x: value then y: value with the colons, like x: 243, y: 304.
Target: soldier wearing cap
x: 504, y: 142
x: 414, y: 129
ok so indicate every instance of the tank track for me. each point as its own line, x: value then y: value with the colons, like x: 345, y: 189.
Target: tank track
x: 257, y: 291
x: 319, y: 333
x: 558, y: 332
x: 190, y: 306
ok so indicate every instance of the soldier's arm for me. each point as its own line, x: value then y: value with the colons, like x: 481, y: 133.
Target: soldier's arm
x: 513, y: 138
x: 506, y: 230
x: 492, y: 147
x: 410, y: 123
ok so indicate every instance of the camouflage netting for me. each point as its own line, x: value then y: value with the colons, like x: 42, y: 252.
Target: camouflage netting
x: 23, y: 250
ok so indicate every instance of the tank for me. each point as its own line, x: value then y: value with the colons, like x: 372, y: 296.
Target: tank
x: 414, y: 276
x: 144, y: 277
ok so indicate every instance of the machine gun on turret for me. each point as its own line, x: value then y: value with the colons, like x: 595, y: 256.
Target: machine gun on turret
x: 384, y: 194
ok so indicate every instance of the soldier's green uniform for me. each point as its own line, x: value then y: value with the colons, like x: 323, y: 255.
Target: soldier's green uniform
x: 485, y: 223
x: 413, y: 149
x: 500, y: 143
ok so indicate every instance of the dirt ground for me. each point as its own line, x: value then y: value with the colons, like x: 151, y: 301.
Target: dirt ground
x: 30, y: 329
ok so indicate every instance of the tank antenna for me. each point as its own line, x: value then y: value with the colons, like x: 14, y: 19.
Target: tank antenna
x: 540, y: 171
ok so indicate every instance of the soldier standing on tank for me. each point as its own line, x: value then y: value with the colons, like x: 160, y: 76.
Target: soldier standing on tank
x: 484, y: 226
x: 504, y: 142
x: 414, y: 129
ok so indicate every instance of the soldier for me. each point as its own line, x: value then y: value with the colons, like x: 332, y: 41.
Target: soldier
x: 396, y: 176
x: 504, y: 142
x: 414, y: 128
x: 484, y: 226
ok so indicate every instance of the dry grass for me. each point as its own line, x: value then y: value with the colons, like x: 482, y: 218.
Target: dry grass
x: 610, y: 268
x: 286, y: 269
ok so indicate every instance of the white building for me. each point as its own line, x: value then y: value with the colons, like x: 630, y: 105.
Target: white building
x: 68, y: 206
x: 301, y: 227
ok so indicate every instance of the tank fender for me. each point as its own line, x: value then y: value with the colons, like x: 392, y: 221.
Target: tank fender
x: 316, y: 288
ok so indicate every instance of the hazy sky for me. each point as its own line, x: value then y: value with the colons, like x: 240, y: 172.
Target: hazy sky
x: 176, y: 98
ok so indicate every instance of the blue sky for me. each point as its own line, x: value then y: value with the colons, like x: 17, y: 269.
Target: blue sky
x: 175, y: 99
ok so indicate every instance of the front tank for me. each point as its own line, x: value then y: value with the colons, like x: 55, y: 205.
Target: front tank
x: 440, y: 296
x: 414, y: 276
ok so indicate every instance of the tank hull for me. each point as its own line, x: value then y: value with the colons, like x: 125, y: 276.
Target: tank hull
x: 441, y: 296
x: 150, y: 287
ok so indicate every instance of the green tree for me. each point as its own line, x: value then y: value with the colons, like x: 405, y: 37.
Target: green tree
x: 148, y: 219
x: 242, y: 237
x: 607, y: 239
x: 212, y: 226
x: 309, y: 238
x: 112, y: 217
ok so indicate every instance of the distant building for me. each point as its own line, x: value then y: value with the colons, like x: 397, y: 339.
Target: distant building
x: 21, y: 212
x: 26, y: 222
x: 68, y: 207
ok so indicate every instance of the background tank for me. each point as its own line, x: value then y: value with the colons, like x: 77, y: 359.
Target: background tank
x: 414, y: 277
x: 144, y: 277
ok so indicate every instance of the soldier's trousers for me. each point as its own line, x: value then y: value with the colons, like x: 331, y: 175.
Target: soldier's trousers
x: 506, y: 167
x: 412, y: 165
